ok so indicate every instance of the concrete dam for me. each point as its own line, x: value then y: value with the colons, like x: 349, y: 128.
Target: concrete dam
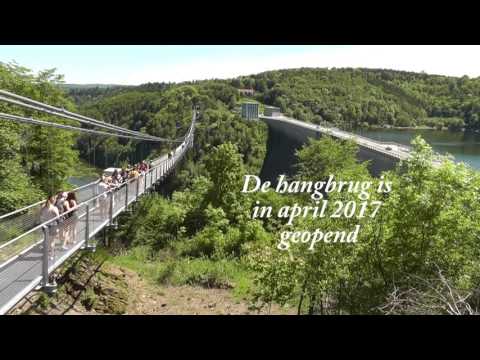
x: 286, y: 135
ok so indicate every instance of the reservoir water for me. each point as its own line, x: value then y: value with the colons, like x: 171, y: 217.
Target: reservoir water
x: 78, y: 181
x: 464, y: 146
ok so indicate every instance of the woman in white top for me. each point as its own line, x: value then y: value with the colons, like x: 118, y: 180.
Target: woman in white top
x: 62, y: 206
x: 49, y: 211
x: 102, y: 188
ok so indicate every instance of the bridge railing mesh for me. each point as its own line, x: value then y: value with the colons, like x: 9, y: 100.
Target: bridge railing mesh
x: 21, y: 230
x: 30, y: 251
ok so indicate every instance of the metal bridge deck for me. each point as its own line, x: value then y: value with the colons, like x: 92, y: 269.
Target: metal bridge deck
x: 24, y: 270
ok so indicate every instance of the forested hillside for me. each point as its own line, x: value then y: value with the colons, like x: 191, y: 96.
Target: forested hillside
x: 354, y: 97
x: 38, y: 160
x: 166, y: 111
x: 205, y: 236
x: 349, y: 97
x: 420, y: 256
x: 341, y: 97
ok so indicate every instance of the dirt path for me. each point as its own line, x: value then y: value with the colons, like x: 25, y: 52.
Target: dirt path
x: 109, y: 289
x: 187, y: 300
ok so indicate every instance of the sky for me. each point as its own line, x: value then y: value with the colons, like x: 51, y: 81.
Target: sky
x: 138, y: 64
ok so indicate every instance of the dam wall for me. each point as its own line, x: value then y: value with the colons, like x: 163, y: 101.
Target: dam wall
x: 285, y: 138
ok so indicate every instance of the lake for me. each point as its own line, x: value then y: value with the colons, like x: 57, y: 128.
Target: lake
x: 78, y: 181
x: 464, y: 146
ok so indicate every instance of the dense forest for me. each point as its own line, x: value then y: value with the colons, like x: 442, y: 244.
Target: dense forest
x: 340, y: 97
x: 37, y: 161
x: 347, y: 97
x: 402, y: 264
x: 166, y: 111
x: 421, y: 256
x: 356, y: 97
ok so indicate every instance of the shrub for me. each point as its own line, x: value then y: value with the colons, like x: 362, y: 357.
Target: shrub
x: 205, y: 272
x: 203, y: 244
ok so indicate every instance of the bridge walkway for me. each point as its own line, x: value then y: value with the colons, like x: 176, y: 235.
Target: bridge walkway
x: 27, y: 260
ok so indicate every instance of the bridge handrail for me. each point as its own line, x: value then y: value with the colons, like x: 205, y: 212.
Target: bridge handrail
x: 35, y: 207
x: 69, y: 211
x: 13, y: 222
x: 32, y: 260
x: 159, y: 162
x: 42, y: 201
x: 183, y: 149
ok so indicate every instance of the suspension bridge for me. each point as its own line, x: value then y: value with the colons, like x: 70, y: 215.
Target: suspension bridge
x: 28, y: 253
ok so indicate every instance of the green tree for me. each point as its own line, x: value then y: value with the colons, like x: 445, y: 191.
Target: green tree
x: 34, y: 159
x: 318, y: 159
x: 225, y: 168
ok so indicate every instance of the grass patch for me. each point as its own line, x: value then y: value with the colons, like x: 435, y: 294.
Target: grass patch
x: 208, y: 273
x: 138, y: 259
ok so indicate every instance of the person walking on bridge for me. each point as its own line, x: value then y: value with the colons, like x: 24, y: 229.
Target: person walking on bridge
x: 48, y: 212
x: 143, y: 167
x: 102, y: 188
x: 62, y: 206
x: 72, y: 216
x: 124, y: 175
x: 116, y: 178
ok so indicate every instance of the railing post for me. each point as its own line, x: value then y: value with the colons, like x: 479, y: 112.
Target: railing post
x: 138, y: 186
x: 126, y: 195
x: 48, y: 287
x: 87, y: 246
x: 87, y: 226
x: 111, y: 208
x: 46, y: 246
x: 145, y: 183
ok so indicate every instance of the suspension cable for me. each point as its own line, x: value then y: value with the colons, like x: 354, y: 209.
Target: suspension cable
x: 38, y: 106
x: 22, y: 119
x: 33, y: 107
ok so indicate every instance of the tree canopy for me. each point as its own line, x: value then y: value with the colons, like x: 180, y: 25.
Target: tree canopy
x: 349, y: 97
x: 34, y: 160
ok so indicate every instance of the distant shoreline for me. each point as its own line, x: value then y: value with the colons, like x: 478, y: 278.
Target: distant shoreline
x: 421, y: 127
